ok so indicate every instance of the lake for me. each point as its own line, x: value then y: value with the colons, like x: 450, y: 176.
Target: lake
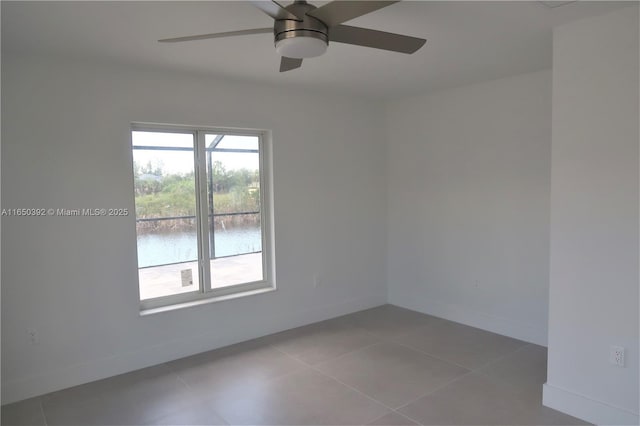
x: 172, y: 247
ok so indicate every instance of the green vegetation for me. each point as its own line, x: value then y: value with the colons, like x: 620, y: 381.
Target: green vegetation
x: 164, y: 195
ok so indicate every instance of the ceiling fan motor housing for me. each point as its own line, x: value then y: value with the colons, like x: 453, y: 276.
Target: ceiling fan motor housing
x: 310, y: 34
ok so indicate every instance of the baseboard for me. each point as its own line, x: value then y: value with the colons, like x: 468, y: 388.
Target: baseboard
x: 585, y: 408
x: 77, y: 374
x: 461, y: 314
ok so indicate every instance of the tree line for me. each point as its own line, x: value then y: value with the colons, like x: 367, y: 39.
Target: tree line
x: 161, y: 194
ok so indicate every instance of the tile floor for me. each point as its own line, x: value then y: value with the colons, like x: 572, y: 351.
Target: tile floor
x: 382, y: 366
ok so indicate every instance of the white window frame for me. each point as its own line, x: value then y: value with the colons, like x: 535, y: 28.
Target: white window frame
x: 206, y: 294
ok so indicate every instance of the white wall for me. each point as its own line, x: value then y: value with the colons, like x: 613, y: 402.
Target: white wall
x: 594, y: 219
x: 65, y: 144
x: 468, y: 212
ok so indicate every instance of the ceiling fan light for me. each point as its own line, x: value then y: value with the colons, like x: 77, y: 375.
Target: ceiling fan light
x: 301, y: 47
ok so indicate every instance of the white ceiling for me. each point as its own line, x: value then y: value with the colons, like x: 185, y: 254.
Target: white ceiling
x: 467, y: 41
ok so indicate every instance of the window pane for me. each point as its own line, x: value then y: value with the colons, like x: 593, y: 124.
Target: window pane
x: 163, y: 139
x: 235, y: 232
x: 166, y: 223
x: 233, y: 142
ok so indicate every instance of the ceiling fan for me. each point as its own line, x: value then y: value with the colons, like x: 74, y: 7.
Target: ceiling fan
x: 302, y: 30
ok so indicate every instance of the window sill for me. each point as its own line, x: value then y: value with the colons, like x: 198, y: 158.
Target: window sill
x: 214, y: 299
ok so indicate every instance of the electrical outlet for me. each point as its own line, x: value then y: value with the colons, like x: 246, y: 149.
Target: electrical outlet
x: 33, y: 337
x: 616, y: 356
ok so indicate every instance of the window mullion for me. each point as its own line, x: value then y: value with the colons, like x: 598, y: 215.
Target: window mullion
x: 264, y: 207
x: 203, y: 214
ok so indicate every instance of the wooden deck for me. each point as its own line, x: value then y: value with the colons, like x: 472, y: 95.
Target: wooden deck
x: 166, y: 280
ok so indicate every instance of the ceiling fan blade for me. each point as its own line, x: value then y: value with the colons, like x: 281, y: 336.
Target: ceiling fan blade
x: 288, y: 64
x: 337, y: 12
x: 376, y: 39
x: 275, y: 10
x: 218, y: 35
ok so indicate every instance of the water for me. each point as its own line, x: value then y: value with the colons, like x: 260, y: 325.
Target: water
x: 173, y: 247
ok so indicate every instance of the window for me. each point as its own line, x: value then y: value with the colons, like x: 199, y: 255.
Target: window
x: 202, y: 214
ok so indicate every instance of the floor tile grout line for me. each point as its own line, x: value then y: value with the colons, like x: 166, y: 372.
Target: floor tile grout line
x: 182, y: 380
x: 296, y: 358
x: 314, y: 368
x: 190, y: 389
x: 44, y: 415
x: 353, y: 389
x: 390, y: 340
x: 470, y: 372
x: 412, y: 328
x: 198, y: 396
x: 395, y: 412
x: 441, y: 319
x: 311, y: 367
x: 434, y: 390
x: 462, y: 366
x: 378, y: 418
x: 348, y: 353
x: 409, y: 417
x: 432, y: 356
x: 382, y: 341
x: 500, y: 358
x: 377, y: 336
x: 501, y: 380
x: 287, y: 354
x: 517, y: 390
